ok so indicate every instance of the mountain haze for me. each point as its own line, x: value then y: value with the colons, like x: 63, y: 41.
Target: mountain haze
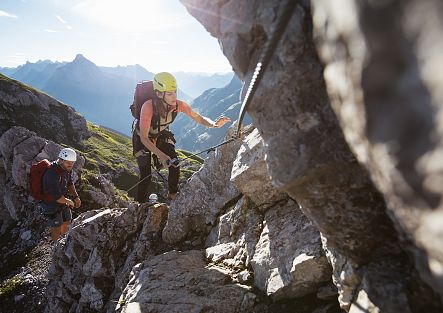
x: 103, y: 94
x: 196, y: 83
x: 212, y: 103
x: 98, y: 95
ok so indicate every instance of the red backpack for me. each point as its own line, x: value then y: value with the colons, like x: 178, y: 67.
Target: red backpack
x: 143, y: 91
x: 36, y: 180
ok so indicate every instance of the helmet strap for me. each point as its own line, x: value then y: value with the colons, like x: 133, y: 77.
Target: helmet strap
x: 164, y: 101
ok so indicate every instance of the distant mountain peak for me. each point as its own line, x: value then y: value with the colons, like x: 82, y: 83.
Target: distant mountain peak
x: 79, y: 56
x: 80, y: 59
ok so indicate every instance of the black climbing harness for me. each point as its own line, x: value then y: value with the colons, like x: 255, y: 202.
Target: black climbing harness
x: 176, y: 161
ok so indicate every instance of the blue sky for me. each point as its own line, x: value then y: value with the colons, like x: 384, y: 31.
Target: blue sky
x: 160, y: 35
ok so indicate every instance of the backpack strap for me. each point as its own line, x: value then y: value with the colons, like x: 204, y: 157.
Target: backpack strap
x: 155, y: 122
x: 57, y: 169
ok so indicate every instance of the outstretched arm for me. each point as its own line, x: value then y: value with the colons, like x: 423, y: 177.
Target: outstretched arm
x: 202, y: 120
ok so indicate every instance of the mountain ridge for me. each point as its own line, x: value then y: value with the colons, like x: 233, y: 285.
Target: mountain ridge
x: 100, y: 93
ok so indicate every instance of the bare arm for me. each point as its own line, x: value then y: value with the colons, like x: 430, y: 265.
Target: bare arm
x: 202, y: 120
x: 151, y: 147
x: 65, y: 201
x: 205, y: 121
x: 73, y: 192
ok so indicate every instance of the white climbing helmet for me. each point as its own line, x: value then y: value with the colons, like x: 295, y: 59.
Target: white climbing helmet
x: 153, y: 198
x: 67, y: 154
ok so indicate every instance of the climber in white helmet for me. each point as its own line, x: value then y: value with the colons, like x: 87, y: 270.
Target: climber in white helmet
x: 57, y: 182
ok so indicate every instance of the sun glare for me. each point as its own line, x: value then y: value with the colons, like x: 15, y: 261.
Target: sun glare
x: 130, y: 15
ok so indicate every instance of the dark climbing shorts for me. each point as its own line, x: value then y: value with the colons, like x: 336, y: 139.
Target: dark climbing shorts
x: 56, y: 216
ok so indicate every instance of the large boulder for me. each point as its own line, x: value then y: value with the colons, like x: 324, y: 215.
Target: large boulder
x: 182, y: 282
x: 289, y: 261
x: 206, y: 193
x: 382, y: 71
x: 93, y: 262
x: 250, y: 174
x: 307, y: 154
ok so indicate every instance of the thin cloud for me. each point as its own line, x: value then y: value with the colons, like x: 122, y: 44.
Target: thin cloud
x: 6, y: 14
x: 68, y: 27
x: 61, y: 19
x: 51, y: 30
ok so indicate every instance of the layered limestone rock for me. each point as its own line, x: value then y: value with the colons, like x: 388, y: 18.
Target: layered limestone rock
x: 306, y: 153
x: 209, y: 190
x: 249, y: 172
x: 96, y: 257
x: 182, y: 282
x: 231, y: 243
x: 262, y: 238
x: 116, y: 259
x: 289, y: 261
x: 40, y: 113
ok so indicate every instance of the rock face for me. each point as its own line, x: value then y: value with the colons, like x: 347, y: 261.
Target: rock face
x: 98, y: 254
x: 209, y: 190
x: 386, y: 89
x: 335, y: 182
x: 288, y: 260
x: 244, y: 257
x: 21, y: 105
x: 181, y: 282
x: 307, y: 154
x: 247, y: 172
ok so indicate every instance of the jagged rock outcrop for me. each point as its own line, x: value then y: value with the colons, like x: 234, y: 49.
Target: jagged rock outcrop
x: 21, y: 105
x: 288, y: 261
x: 182, y: 282
x: 119, y: 258
x: 307, y: 155
x: 209, y: 190
x: 250, y: 238
x: 249, y: 173
x: 98, y: 254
